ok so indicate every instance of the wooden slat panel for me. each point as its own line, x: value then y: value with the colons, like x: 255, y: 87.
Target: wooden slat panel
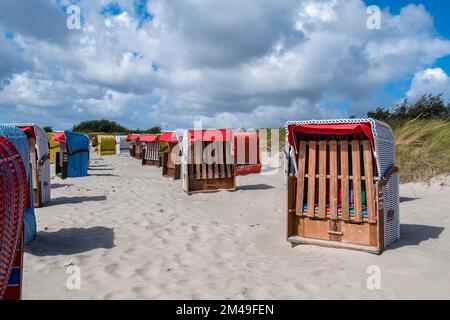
x: 198, y: 159
x: 357, y: 195
x: 291, y: 218
x: 301, y: 178
x: 322, y: 179
x: 333, y: 180
x: 344, y: 181
x: 312, y: 181
x: 35, y: 172
x: 204, y: 157
x: 370, y: 186
x: 227, y: 147
x: 209, y: 160
x: 150, y: 150
x: 191, y: 161
x: 221, y: 158
x: 216, y: 158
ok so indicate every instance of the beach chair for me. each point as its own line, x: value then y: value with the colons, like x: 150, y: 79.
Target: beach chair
x: 151, y: 153
x: 207, y: 162
x: 73, y: 159
x: 123, y: 145
x: 53, y: 148
x: 40, y: 162
x: 171, y: 166
x: 19, y: 140
x: 106, y: 145
x: 342, y: 184
x: 136, y: 146
x: 247, y: 153
x: 13, y: 201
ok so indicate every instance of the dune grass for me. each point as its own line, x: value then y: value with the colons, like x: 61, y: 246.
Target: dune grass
x: 423, y: 149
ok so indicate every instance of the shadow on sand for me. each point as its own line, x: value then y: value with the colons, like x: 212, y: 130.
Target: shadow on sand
x: 99, y: 165
x: 256, y: 187
x: 60, y: 185
x: 103, y: 175
x: 74, y: 200
x: 71, y: 241
x: 407, y: 199
x: 415, y: 234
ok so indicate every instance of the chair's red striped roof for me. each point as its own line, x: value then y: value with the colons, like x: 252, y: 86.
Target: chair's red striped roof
x: 169, y: 137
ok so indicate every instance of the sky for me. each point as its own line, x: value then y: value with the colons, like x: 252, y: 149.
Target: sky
x: 251, y: 64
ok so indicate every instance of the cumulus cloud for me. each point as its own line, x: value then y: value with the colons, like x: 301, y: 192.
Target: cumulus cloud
x: 228, y: 63
x: 434, y: 81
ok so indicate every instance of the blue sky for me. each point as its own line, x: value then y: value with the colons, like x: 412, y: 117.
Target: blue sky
x: 233, y: 63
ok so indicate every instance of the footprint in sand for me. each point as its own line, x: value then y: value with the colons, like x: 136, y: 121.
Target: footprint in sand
x: 111, y: 269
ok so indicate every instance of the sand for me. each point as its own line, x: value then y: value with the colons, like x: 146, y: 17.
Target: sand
x: 134, y: 234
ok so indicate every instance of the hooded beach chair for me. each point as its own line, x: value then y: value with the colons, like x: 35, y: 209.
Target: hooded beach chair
x: 40, y: 162
x: 207, y: 162
x: 151, y: 150
x: 247, y: 153
x: 171, y: 158
x: 73, y: 159
x: 342, y: 183
x: 13, y: 200
x: 53, y: 148
x: 136, y: 146
x: 20, y: 142
x: 106, y: 145
x: 123, y: 145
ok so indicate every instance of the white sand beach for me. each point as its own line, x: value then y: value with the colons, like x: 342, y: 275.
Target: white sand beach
x: 136, y: 235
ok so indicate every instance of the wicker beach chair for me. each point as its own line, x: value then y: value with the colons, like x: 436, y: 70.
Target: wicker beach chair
x: 170, y: 164
x: 106, y: 145
x: 247, y: 153
x: 21, y: 143
x: 40, y: 164
x: 73, y: 159
x: 53, y: 148
x: 123, y: 145
x: 151, y: 150
x: 136, y: 146
x: 13, y: 200
x: 342, y: 183
x: 207, y: 162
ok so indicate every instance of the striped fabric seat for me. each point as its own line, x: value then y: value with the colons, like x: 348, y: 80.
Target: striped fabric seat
x: 20, y: 142
x: 13, y: 198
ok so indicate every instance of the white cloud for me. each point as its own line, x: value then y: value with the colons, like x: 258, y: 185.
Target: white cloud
x: 434, y: 81
x: 229, y: 63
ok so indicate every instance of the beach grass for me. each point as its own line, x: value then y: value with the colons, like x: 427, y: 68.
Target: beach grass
x: 423, y: 149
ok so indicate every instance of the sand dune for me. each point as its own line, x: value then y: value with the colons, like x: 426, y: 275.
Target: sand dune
x: 137, y: 235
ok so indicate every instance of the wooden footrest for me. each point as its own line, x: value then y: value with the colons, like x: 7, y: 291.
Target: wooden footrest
x: 333, y: 244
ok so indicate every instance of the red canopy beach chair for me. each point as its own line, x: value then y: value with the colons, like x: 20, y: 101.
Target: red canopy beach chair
x: 207, y: 163
x: 171, y: 167
x: 247, y: 153
x: 342, y: 183
x: 151, y: 155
